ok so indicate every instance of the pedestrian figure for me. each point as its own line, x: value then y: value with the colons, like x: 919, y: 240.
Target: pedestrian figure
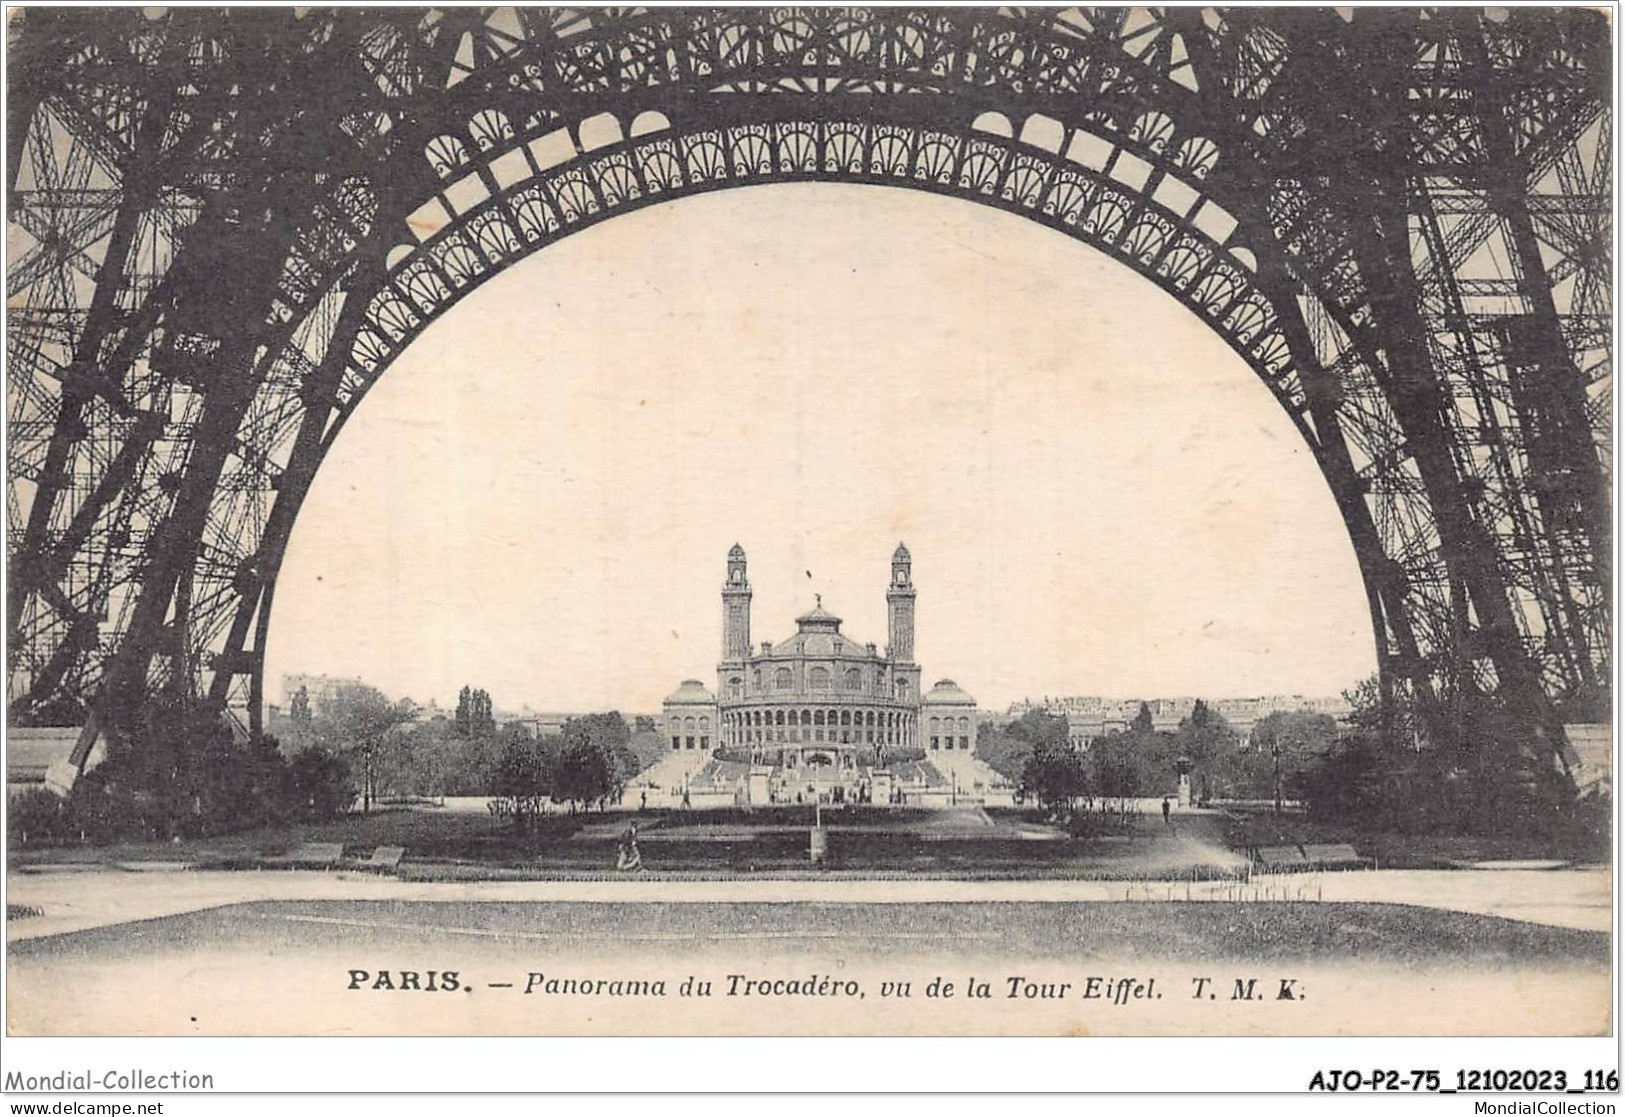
x: 643, y: 801
x: 685, y: 799
x: 627, y: 858
x: 1167, y: 813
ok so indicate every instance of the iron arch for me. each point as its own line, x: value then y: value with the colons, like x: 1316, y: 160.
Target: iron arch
x: 460, y: 244
x: 166, y: 424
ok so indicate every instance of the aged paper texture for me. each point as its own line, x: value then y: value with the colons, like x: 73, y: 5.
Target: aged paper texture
x: 1084, y: 522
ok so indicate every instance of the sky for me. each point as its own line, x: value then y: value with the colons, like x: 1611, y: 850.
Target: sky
x: 1100, y: 497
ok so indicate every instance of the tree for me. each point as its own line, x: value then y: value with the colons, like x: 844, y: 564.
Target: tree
x: 1365, y: 703
x: 39, y: 817
x: 482, y: 720
x: 585, y: 774
x: 1001, y: 750
x: 358, y: 721
x: 1207, y: 745
x: 321, y: 781
x: 1056, y: 775
x: 176, y: 768
x: 301, y: 731
x: 428, y: 758
x: 474, y: 716
x: 1143, y: 722
x: 1345, y: 784
x: 1116, y: 773
x: 1295, y: 734
x: 1008, y: 750
x: 1135, y: 760
x: 608, y: 729
x: 242, y: 784
x: 1204, y: 734
x: 649, y: 746
x: 1284, y: 744
x: 596, y: 759
x: 462, y: 720
x: 1042, y: 728
x: 521, y: 781
x: 173, y: 772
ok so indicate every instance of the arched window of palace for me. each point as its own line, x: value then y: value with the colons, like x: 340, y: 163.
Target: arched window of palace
x: 819, y: 677
x: 735, y: 687
x: 781, y: 679
x: 854, y: 679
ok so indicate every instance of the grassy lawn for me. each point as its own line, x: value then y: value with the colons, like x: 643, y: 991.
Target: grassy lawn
x: 1401, y: 851
x: 446, y: 844
x: 444, y: 832
x: 463, y: 845
x: 1255, y: 933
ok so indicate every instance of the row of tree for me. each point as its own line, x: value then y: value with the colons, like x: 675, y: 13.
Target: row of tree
x: 588, y: 763
x: 1379, y: 770
x: 1469, y: 772
x: 399, y: 753
x: 176, y: 771
x: 475, y: 716
x: 1036, y: 754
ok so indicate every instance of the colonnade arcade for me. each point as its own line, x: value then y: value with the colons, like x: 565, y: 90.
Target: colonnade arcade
x: 848, y: 726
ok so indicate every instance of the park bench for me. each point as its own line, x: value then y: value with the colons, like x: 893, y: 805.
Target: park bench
x: 1338, y: 856
x: 385, y: 858
x: 1281, y: 857
x: 310, y: 855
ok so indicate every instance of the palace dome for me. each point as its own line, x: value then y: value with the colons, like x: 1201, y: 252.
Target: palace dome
x: 819, y: 618
x: 691, y: 693
x: 818, y: 635
x: 814, y: 644
x: 947, y: 693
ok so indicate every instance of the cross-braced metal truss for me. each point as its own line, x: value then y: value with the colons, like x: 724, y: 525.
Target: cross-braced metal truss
x: 226, y: 224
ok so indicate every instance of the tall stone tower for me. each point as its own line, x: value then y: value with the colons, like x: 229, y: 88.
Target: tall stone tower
x: 736, y: 608
x: 900, y: 609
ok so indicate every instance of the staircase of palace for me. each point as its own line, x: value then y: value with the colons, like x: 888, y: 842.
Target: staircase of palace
x: 666, y: 776
x: 972, y: 774
x: 708, y: 777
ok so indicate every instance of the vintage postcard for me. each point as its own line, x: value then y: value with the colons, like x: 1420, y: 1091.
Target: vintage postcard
x: 869, y: 522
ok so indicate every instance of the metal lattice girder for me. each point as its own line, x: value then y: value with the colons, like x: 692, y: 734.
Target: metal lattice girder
x: 231, y: 222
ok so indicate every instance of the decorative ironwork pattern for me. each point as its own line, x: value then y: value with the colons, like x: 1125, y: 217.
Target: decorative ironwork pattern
x: 228, y: 223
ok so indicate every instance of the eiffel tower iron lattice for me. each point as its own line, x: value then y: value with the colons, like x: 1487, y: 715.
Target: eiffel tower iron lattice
x: 225, y: 225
